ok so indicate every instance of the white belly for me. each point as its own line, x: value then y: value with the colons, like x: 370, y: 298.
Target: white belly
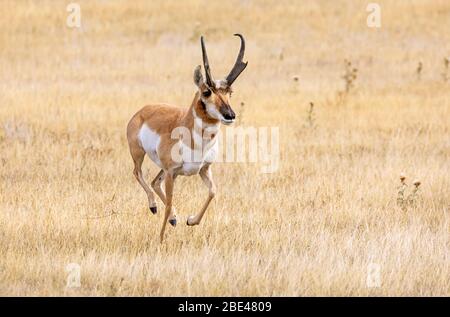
x: 150, y: 143
x: 189, y: 169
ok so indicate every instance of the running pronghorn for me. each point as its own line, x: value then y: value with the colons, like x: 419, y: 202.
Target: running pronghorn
x: 150, y: 131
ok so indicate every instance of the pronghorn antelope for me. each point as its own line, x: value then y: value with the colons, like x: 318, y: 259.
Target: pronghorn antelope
x: 150, y: 132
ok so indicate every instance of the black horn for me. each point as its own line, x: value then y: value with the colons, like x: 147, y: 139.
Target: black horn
x: 239, y: 65
x: 209, y: 78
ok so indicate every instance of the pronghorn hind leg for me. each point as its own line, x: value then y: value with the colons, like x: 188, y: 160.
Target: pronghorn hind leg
x: 169, y: 215
x: 138, y: 157
x: 206, y: 175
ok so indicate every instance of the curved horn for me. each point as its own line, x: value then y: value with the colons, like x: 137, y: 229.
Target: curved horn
x: 209, y: 78
x: 239, y: 65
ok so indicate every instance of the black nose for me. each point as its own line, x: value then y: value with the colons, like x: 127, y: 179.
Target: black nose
x: 229, y: 115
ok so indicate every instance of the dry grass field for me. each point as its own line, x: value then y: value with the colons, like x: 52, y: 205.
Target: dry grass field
x: 317, y: 226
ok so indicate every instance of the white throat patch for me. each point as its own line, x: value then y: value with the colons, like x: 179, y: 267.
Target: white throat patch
x: 210, y: 110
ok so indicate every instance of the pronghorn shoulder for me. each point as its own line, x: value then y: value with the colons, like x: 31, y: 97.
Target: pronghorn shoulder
x: 161, y: 118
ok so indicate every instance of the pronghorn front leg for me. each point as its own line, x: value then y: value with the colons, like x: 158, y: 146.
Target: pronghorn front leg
x: 156, y: 184
x: 206, y: 175
x: 169, y: 215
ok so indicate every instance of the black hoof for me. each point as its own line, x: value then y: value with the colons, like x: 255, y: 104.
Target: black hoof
x: 153, y: 210
x: 173, y: 222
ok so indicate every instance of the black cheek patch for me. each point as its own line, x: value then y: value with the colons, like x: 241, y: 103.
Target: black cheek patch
x: 203, y: 105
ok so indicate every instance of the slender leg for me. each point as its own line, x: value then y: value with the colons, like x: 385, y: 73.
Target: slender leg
x: 156, y: 185
x: 169, y: 215
x: 138, y: 157
x: 206, y: 175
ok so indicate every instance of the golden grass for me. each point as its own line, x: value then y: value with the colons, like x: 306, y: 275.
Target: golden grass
x: 67, y: 193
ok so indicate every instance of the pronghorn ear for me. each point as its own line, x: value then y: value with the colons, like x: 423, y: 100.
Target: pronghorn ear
x: 198, y: 77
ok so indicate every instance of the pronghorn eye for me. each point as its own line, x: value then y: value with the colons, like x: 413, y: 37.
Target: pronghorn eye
x: 207, y: 93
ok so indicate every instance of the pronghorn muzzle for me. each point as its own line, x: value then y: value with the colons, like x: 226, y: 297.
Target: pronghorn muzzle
x: 227, y: 114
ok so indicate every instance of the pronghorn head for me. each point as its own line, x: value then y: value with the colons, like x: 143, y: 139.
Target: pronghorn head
x: 215, y: 94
